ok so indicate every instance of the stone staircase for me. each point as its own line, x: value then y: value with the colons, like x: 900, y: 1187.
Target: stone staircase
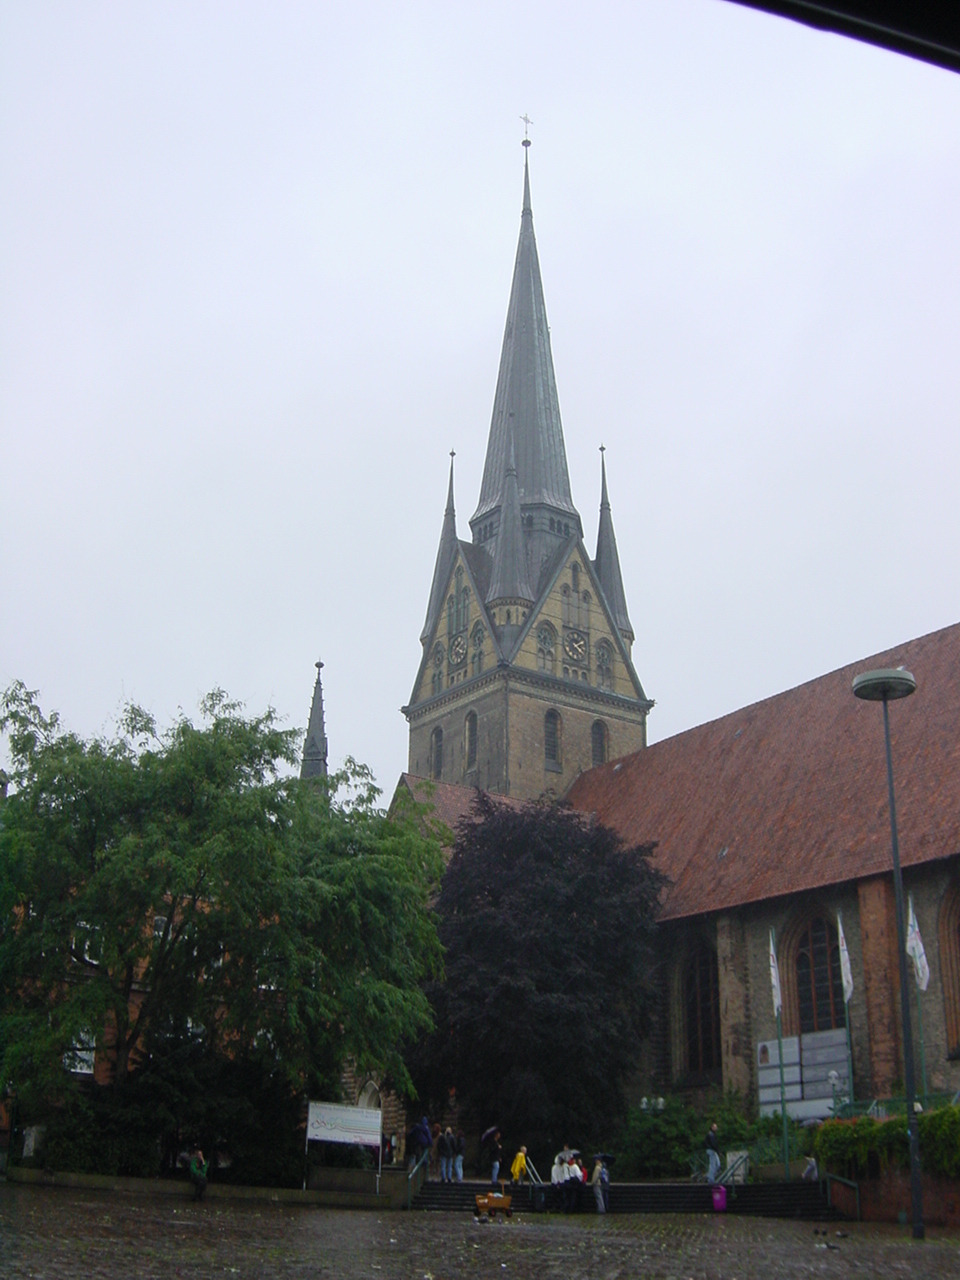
x: 759, y: 1199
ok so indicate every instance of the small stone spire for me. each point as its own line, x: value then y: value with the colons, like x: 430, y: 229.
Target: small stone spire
x: 607, y: 561
x: 445, y: 557
x: 509, y: 579
x: 314, y: 763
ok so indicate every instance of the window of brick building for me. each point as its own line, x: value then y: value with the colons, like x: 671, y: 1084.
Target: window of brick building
x: 551, y: 740
x: 701, y: 1007
x: 598, y: 742
x: 470, y: 739
x: 436, y: 752
x: 819, y: 982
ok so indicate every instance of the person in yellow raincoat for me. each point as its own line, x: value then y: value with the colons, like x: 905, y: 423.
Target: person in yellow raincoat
x: 518, y: 1170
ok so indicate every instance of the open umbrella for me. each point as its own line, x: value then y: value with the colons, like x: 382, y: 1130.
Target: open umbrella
x: 488, y: 1134
x: 565, y: 1154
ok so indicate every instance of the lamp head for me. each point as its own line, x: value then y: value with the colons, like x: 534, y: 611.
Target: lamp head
x: 889, y: 683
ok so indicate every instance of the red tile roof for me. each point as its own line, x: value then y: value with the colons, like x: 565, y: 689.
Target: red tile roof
x: 791, y: 793
x: 450, y: 802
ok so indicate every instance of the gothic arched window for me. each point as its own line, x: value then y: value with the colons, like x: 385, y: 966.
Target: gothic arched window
x: 819, y: 983
x: 470, y: 739
x: 949, y: 929
x: 547, y: 649
x: 451, y: 616
x: 575, y: 577
x: 598, y: 742
x: 476, y: 656
x: 604, y: 665
x: 437, y: 679
x: 552, y: 740
x: 436, y: 752
x: 565, y: 609
x: 701, y: 1009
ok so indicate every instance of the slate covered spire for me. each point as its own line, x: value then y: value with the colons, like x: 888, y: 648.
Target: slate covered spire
x: 607, y: 561
x: 510, y: 579
x: 526, y: 409
x: 314, y: 762
x: 445, y: 557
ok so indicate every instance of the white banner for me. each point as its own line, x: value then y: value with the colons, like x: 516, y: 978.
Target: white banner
x: 915, y: 948
x: 845, y: 973
x: 333, y: 1122
x: 775, y: 977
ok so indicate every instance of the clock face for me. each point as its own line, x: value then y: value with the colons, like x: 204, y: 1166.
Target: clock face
x: 458, y: 651
x: 575, y: 646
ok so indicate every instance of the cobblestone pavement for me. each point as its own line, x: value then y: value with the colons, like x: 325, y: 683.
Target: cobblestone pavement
x: 62, y: 1235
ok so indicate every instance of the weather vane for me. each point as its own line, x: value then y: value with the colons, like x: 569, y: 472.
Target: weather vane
x: 527, y: 122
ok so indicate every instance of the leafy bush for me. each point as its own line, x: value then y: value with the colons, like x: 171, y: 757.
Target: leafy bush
x: 661, y: 1144
x: 865, y: 1147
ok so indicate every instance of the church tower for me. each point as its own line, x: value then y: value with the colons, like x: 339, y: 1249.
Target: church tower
x: 526, y: 676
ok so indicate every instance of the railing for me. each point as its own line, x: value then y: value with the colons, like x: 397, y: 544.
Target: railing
x: 418, y: 1173
x: 885, y: 1108
x: 729, y: 1175
x: 532, y: 1170
x: 699, y: 1164
x: 830, y: 1178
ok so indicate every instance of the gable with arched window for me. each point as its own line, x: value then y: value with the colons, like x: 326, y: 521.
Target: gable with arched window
x: 552, y: 741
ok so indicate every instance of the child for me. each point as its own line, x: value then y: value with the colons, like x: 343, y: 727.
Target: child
x: 518, y: 1170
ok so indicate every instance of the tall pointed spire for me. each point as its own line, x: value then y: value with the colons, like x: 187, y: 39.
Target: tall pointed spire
x: 526, y: 409
x: 314, y: 762
x: 509, y: 579
x: 445, y: 556
x: 607, y: 561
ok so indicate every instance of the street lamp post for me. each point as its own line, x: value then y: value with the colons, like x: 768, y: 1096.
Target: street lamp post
x: 887, y: 686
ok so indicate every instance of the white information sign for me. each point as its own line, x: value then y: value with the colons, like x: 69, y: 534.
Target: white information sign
x: 333, y: 1122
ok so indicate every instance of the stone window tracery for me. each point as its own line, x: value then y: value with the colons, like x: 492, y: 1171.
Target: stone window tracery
x: 604, y: 656
x: 436, y: 752
x: 470, y: 740
x: 819, y: 983
x: 547, y: 649
x: 476, y: 656
x: 598, y: 742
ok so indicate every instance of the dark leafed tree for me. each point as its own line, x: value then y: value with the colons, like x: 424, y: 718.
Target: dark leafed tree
x: 549, y: 925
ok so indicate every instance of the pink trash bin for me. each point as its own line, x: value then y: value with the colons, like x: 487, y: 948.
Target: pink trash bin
x: 719, y: 1199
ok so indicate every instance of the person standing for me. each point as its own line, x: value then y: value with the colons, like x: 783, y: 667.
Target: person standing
x: 496, y: 1156
x: 713, y: 1153
x: 446, y: 1145
x: 596, y: 1182
x: 518, y: 1170
x: 460, y: 1148
x: 198, y: 1173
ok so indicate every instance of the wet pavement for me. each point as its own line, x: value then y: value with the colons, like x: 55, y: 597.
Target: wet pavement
x: 61, y: 1235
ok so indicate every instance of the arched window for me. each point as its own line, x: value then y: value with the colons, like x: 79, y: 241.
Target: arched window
x: 575, y: 577
x: 604, y: 665
x: 701, y: 1008
x: 598, y: 742
x: 470, y: 740
x: 369, y: 1096
x: 436, y: 752
x: 819, y: 983
x: 949, y: 930
x: 458, y: 600
x: 465, y: 609
x: 546, y: 649
x: 551, y: 740
x: 476, y: 656
x: 565, y: 606
x: 437, y: 679
x: 451, y: 616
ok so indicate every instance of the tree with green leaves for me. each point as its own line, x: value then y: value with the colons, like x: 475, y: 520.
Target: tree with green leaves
x: 551, y: 972
x: 181, y: 893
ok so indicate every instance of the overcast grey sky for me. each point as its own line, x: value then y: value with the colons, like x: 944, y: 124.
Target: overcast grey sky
x: 254, y: 268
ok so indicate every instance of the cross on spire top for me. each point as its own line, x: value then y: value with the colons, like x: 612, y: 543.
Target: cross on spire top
x: 527, y: 122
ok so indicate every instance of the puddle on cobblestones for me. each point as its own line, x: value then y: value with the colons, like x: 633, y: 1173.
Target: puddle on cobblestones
x: 55, y: 1234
